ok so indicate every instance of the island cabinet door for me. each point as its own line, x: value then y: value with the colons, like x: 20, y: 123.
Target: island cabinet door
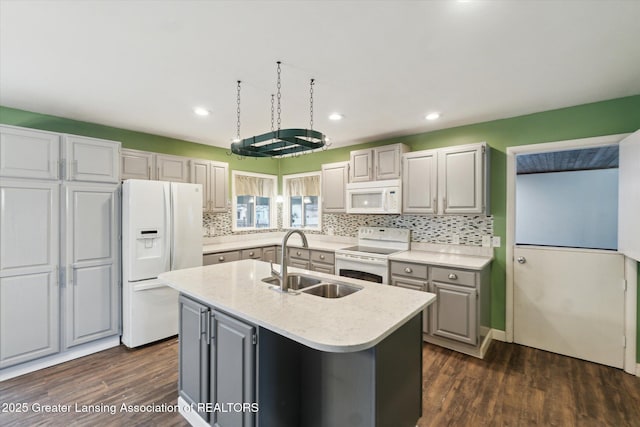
x: 193, y: 363
x: 233, y: 379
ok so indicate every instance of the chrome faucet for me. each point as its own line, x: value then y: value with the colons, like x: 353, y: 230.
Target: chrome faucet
x: 283, y: 276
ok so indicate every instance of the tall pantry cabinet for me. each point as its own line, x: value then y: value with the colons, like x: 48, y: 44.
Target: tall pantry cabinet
x: 59, y: 248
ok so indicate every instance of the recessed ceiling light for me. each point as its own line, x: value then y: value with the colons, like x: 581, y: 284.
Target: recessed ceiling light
x: 201, y: 111
x: 432, y: 116
x: 335, y: 116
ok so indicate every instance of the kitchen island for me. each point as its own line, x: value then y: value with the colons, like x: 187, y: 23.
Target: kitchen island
x: 251, y: 355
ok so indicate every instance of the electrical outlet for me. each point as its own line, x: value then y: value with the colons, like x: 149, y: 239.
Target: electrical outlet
x: 496, y: 241
x: 486, y: 241
x: 455, y: 239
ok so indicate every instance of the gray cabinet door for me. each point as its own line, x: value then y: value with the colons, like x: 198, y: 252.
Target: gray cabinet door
x: 91, y: 262
x: 219, y: 186
x: 200, y: 174
x: 29, y: 291
x: 232, y: 369
x: 193, y: 362
x: 335, y: 177
x: 420, y: 179
x: 387, y: 162
x: 136, y: 164
x: 454, y: 313
x: 269, y: 254
x: 92, y: 159
x: 462, y: 179
x: 361, y: 168
x: 172, y: 168
x: 26, y: 153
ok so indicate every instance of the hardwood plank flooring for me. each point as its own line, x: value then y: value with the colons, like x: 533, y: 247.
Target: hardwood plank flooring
x: 512, y: 386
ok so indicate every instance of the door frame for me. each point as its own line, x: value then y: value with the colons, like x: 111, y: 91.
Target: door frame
x: 630, y: 265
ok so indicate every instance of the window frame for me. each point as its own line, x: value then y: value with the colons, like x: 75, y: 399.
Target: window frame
x: 273, y: 207
x: 286, y: 203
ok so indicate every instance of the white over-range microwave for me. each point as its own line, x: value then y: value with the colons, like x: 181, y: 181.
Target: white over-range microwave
x: 375, y: 197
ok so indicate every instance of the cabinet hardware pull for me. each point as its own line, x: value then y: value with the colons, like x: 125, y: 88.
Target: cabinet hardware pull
x: 298, y: 253
x: 453, y: 276
x: 149, y: 176
x: 251, y: 253
x: 321, y: 256
x: 221, y: 259
x: 408, y: 270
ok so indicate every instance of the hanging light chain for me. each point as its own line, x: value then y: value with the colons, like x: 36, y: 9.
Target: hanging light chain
x: 311, y: 103
x: 279, y: 86
x: 272, y: 110
x: 238, y: 113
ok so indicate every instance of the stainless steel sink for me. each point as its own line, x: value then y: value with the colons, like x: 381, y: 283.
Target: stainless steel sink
x: 296, y: 281
x: 332, y: 290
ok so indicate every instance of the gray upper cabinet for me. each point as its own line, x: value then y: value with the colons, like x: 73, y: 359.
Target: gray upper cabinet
x: 172, y: 168
x: 420, y: 182
x: 335, y: 177
x: 91, y: 262
x: 92, y: 159
x: 450, y: 180
x: 463, y: 179
x: 26, y: 153
x: 29, y: 291
x: 214, y: 177
x: 378, y: 163
x: 135, y: 164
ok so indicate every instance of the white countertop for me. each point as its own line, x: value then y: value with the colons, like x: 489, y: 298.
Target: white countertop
x: 352, y: 323
x: 443, y: 259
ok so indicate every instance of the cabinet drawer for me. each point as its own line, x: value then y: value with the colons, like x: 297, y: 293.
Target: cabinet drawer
x: 299, y: 253
x: 323, y: 268
x: 451, y: 275
x: 255, y: 253
x: 221, y: 257
x: 324, y: 257
x: 408, y: 269
x: 404, y: 282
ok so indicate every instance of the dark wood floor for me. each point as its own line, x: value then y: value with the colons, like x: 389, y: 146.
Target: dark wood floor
x: 512, y: 386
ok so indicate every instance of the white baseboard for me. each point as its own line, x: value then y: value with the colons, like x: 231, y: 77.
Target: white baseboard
x: 638, y: 370
x: 190, y: 414
x: 499, y: 335
x: 55, y: 359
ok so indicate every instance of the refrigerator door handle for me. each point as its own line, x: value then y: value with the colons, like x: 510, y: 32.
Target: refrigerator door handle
x: 168, y: 224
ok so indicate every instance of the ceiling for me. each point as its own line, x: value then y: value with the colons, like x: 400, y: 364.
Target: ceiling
x: 569, y: 160
x: 384, y: 65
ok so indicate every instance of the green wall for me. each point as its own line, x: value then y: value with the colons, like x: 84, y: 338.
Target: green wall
x: 135, y: 140
x: 601, y: 118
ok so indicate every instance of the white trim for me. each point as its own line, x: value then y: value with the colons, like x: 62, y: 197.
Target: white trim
x: 630, y: 303
x: 638, y: 370
x: 190, y: 414
x: 55, y: 359
x: 286, y: 221
x: 498, y: 335
x: 630, y: 315
x: 273, y: 220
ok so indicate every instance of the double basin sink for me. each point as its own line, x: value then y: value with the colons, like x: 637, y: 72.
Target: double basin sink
x: 314, y: 286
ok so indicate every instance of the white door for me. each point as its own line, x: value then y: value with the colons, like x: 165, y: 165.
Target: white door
x: 91, y: 260
x: 29, y: 292
x: 570, y: 301
x: 26, y: 153
x: 186, y: 225
x: 92, y: 159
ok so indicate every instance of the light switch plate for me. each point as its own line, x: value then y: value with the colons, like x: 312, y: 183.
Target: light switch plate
x: 486, y: 241
x: 496, y: 242
x: 455, y: 239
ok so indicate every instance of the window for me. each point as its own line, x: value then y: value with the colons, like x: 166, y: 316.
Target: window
x: 302, y: 201
x: 253, y: 201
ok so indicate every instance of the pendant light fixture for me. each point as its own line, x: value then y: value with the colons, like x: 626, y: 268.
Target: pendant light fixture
x: 278, y: 142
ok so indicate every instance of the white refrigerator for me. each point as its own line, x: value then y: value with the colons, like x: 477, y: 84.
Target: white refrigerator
x: 161, y: 231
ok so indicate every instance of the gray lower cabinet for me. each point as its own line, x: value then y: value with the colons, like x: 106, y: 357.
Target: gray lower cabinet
x: 270, y: 254
x: 220, y: 257
x: 460, y: 317
x: 217, y: 363
x: 254, y: 253
x: 298, y: 258
x: 322, y: 261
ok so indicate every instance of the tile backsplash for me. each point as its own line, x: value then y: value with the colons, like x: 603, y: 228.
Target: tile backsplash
x: 451, y: 229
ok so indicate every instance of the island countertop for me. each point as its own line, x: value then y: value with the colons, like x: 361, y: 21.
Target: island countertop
x: 356, y: 322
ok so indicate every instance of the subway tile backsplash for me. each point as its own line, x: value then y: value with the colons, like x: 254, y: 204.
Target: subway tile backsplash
x: 466, y: 229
